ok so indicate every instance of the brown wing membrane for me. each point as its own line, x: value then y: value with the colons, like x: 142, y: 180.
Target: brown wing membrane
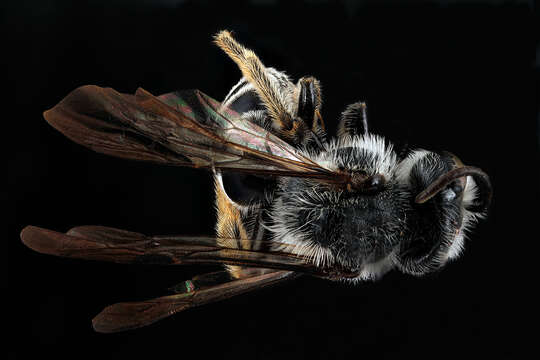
x: 132, y: 315
x: 120, y: 246
x: 185, y: 129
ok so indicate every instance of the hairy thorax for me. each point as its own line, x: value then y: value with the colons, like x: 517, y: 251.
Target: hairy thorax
x: 359, y: 230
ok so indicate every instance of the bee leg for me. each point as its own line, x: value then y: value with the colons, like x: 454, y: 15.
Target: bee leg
x: 276, y: 101
x: 256, y: 73
x: 353, y: 120
x: 309, y: 109
x: 309, y: 101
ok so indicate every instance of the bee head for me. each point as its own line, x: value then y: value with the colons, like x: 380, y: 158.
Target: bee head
x: 448, y: 198
x: 356, y: 225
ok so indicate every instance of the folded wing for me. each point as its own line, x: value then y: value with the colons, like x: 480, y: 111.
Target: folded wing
x: 127, y: 247
x: 183, y: 128
x: 131, y: 315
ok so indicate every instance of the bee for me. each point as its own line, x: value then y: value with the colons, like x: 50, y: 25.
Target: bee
x: 290, y: 200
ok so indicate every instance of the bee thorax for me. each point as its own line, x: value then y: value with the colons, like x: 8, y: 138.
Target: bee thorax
x: 355, y: 226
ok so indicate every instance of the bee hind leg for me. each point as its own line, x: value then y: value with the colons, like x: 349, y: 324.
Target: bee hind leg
x: 257, y: 74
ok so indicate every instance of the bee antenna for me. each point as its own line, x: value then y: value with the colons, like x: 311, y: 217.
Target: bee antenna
x: 479, y: 176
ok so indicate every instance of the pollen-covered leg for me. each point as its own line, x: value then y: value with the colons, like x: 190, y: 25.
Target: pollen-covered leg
x: 278, y: 95
x: 256, y: 73
x: 237, y: 222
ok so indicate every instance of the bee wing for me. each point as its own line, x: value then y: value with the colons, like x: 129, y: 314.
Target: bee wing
x: 183, y: 128
x: 132, y: 315
x: 121, y: 246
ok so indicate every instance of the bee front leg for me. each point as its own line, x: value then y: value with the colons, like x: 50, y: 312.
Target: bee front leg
x: 309, y: 109
x: 309, y: 103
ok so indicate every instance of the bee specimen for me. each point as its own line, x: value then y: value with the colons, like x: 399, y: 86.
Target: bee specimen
x: 290, y: 200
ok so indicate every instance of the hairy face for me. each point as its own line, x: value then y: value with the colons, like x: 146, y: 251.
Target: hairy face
x: 446, y: 216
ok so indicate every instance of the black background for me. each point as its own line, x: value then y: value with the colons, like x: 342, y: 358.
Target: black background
x: 451, y: 75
